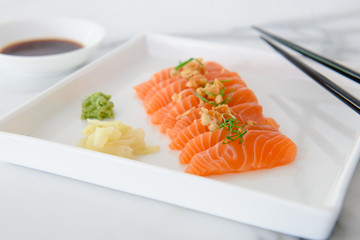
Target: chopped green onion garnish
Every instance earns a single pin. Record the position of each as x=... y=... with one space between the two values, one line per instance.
x=222 y=91
x=199 y=62
x=226 y=100
x=232 y=124
x=227 y=80
x=181 y=64
x=204 y=99
x=211 y=94
x=233 y=90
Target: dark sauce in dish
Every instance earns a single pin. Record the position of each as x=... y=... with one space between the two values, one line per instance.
x=41 y=47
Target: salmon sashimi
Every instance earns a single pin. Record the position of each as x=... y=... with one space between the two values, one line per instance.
x=163 y=97
x=212 y=116
x=212 y=66
x=200 y=143
x=259 y=149
x=243 y=112
x=177 y=110
x=158 y=116
x=185 y=121
x=227 y=78
x=241 y=95
x=271 y=122
x=208 y=139
x=252 y=111
x=156 y=87
x=157 y=77
x=188 y=133
x=163 y=75
x=212 y=69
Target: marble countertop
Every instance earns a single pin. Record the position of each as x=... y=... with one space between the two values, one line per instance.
x=38 y=205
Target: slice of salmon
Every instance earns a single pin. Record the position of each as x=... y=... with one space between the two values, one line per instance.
x=248 y=111
x=185 y=121
x=259 y=149
x=200 y=143
x=209 y=139
x=143 y=88
x=162 y=76
x=158 y=116
x=180 y=108
x=213 y=70
x=227 y=78
x=244 y=112
x=163 y=96
x=241 y=95
x=158 y=86
x=271 y=122
x=212 y=66
x=188 y=133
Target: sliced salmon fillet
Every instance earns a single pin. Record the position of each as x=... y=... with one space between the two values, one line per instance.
x=143 y=88
x=259 y=149
x=271 y=122
x=244 y=112
x=227 y=78
x=263 y=146
x=163 y=97
x=241 y=95
x=252 y=111
x=185 y=121
x=158 y=116
x=212 y=66
x=200 y=143
x=213 y=69
x=158 y=86
x=177 y=110
x=188 y=133
x=208 y=139
x=248 y=110
x=163 y=76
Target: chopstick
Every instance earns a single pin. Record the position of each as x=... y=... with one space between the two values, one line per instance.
x=333 y=88
x=320 y=59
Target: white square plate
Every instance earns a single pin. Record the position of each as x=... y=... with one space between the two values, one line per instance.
x=302 y=199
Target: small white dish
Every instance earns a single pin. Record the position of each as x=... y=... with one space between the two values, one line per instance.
x=88 y=34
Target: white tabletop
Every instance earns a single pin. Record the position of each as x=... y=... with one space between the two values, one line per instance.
x=38 y=205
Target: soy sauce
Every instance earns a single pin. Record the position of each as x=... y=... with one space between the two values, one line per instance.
x=41 y=47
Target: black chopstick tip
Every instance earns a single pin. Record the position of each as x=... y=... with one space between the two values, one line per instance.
x=260 y=30
x=256 y=28
x=269 y=42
